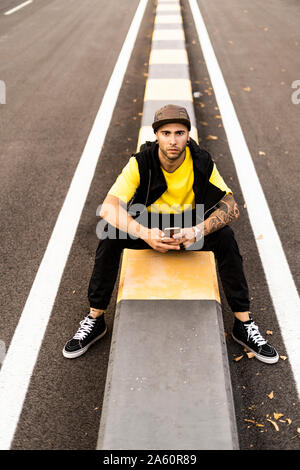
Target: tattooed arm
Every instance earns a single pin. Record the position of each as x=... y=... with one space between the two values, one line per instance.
x=227 y=212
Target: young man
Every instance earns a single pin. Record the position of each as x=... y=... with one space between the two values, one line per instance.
x=170 y=179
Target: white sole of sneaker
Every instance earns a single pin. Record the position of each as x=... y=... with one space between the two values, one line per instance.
x=266 y=360
x=80 y=352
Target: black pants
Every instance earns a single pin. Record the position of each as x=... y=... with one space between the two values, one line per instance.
x=221 y=242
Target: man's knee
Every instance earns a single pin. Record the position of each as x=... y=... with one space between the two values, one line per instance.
x=116 y=245
x=225 y=236
x=224 y=243
x=108 y=246
x=227 y=233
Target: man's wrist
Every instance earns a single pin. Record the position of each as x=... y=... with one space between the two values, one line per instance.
x=144 y=232
x=198 y=231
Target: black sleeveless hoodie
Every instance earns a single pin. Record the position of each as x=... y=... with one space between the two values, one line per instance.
x=153 y=183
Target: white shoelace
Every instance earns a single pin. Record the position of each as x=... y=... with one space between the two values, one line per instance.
x=86 y=326
x=254 y=334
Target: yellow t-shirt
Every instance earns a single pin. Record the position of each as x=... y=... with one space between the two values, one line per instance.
x=178 y=197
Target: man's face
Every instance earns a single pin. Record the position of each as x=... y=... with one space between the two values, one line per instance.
x=172 y=139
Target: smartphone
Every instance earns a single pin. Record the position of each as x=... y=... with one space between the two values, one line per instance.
x=170 y=231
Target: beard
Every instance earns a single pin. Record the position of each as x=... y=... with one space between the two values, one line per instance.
x=173 y=153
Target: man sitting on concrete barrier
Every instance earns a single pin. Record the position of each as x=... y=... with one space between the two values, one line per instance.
x=160 y=182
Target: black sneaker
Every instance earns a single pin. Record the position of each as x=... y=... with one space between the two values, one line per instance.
x=90 y=330
x=248 y=335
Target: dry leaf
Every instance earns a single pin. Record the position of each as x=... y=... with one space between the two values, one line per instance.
x=269 y=332
x=271 y=395
x=274 y=424
x=277 y=415
x=260 y=425
x=247 y=88
x=250 y=355
x=249 y=421
x=236 y=359
x=283 y=357
x=204 y=123
x=212 y=137
x=260 y=237
x=261 y=153
x=218 y=116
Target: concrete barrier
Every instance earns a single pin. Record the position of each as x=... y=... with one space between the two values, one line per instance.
x=168 y=384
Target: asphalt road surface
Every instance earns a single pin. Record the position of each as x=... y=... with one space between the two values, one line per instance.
x=56 y=59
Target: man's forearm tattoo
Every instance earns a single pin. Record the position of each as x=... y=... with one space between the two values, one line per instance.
x=226 y=213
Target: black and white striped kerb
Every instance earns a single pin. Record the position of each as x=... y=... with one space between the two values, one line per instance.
x=168 y=75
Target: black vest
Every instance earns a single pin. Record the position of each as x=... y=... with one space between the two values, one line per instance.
x=153 y=183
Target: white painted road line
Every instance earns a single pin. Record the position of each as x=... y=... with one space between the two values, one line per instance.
x=23 y=351
x=281 y=285
x=22 y=5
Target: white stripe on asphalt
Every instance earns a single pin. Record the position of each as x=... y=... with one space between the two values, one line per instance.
x=22 y=5
x=280 y=281
x=22 y=354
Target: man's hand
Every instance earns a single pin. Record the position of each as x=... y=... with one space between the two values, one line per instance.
x=186 y=237
x=158 y=242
